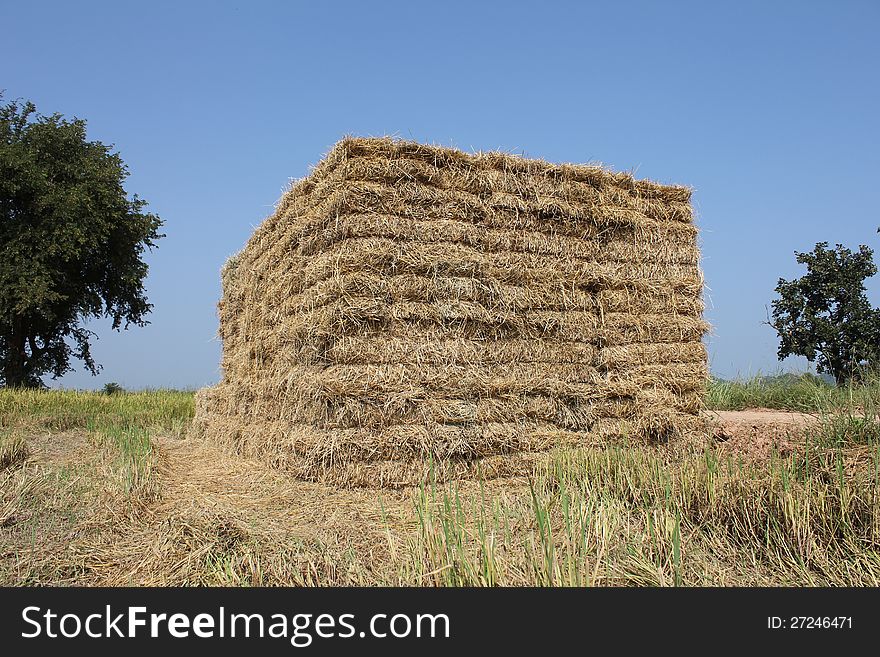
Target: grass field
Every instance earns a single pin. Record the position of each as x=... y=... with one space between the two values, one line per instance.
x=107 y=489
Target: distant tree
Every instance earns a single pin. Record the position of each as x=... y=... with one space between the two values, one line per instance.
x=825 y=315
x=71 y=242
x=112 y=388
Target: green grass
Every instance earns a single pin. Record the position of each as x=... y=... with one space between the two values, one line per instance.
x=805 y=393
x=101 y=470
x=61 y=410
x=135 y=458
x=120 y=423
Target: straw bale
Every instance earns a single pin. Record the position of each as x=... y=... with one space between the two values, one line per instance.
x=357 y=411
x=441 y=350
x=491 y=183
x=418 y=203
x=624 y=244
x=450 y=259
x=410 y=310
x=488 y=293
x=365 y=316
x=314 y=394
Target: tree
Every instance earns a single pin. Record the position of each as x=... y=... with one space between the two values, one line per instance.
x=825 y=315
x=71 y=244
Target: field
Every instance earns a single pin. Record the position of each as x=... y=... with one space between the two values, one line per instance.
x=102 y=489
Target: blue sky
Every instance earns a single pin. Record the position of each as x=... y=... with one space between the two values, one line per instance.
x=768 y=110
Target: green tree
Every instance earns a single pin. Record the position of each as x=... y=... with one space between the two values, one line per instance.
x=825 y=315
x=71 y=244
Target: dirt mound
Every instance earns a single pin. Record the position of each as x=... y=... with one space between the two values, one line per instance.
x=757 y=432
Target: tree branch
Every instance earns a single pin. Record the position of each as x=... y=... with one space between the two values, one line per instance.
x=36 y=351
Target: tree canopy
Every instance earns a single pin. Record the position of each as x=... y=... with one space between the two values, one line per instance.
x=71 y=244
x=826 y=316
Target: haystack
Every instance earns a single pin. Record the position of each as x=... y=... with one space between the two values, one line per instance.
x=412 y=311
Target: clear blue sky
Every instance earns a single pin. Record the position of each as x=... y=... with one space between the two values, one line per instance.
x=769 y=110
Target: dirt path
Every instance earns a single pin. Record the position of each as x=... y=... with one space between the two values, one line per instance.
x=216 y=513
x=763 y=417
x=198 y=475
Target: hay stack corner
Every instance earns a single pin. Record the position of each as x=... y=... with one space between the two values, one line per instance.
x=412 y=311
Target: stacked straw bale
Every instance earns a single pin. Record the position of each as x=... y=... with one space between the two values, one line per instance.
x=411 y=310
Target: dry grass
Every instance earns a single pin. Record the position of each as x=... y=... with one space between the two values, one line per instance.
x=13 y=450
x=118 y=504
x=78 y=463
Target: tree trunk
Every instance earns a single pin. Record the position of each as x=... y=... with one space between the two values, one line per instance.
x=840 y=372
x=13 y=368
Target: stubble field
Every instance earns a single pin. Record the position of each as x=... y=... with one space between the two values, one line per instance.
x=102 y=489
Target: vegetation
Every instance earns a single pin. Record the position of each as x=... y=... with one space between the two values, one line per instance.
x=112 y=388
x=636 y=517
x=63 y=410
x=71 y=244
x=101 y=489
x=804 y=393
x=825 y=315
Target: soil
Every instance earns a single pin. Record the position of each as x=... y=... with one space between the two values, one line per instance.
x=759 y=431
